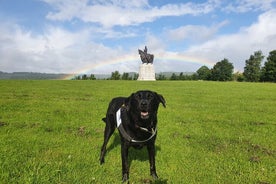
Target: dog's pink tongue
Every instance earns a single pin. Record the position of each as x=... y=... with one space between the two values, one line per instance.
x=144 y=113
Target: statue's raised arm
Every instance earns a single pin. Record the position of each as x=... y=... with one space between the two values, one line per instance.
x=145 y=57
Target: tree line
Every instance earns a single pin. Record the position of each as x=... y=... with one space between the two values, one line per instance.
x=125 y=76
x=221 y=71
x=114 y=76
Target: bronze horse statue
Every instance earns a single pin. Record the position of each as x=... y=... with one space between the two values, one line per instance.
x=145 y=57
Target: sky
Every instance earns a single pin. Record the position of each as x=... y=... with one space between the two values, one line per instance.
x=102 y=36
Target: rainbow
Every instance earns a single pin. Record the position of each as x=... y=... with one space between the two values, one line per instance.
x=134 y=58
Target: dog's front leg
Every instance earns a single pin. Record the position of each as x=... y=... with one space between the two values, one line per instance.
x=125 y=167
x=151 y=152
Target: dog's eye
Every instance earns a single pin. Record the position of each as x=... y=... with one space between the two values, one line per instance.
x=138 y=96
x=149 y=96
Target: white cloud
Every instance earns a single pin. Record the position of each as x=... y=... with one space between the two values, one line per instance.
x=154 y=43
x=242 y=6
x=195 y=33
x=66 y=9
x=239 y=46
x=14 y=38
x=122 y=12
x=59 y=50
x=56 y=50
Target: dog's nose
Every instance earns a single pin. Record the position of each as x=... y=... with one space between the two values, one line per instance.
x=144 y=103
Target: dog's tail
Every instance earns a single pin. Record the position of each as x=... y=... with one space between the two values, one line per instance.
x=104 y=120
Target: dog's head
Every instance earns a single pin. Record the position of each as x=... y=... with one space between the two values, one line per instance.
x=145 y=103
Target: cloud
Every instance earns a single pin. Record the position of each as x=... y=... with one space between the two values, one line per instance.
x=239 y=46
x=56 y=50
x=123 y=12
x=154 y=43
x=59 y=49
x=242 y=6
x=194 y=33
x=65 y=9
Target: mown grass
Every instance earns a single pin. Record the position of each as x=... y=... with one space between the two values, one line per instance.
x=210 y=132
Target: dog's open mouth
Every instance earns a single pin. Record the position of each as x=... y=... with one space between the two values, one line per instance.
x=144 y=115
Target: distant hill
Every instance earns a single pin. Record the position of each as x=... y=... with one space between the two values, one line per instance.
x=52 y=76
x=42 y=76
x=31 y=75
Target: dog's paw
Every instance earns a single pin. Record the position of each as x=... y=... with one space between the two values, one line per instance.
x=125 y=178
x=101 y=161
x=154 y=175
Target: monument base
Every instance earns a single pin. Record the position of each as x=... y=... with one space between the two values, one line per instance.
x=146 y=72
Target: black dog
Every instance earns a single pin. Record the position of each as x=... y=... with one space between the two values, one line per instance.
x=136 y=119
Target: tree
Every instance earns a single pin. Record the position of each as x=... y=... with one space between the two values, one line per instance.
x=203 y=73
x=252 y=69
x=115 y=75
x=269 y=69
x=184 y=77
x=92 y=77
x=78 y=77
x=222 y=71
x=161 y=77
x=174 y=77
x=125 y=76
x=135 y=76
x=238 y=77
x=84 y=77
x=181 y=76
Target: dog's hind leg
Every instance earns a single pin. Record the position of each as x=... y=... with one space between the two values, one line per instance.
x=109 y=129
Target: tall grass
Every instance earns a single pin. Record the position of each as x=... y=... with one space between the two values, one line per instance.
x=210 y=132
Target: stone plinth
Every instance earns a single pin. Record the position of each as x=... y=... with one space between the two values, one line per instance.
x=146 y=72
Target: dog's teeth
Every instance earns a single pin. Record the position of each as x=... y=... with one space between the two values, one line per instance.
x=144 y=113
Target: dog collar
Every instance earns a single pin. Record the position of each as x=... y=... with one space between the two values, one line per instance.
x=124 y=133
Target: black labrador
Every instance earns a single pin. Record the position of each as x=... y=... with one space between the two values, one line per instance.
x=136 y=119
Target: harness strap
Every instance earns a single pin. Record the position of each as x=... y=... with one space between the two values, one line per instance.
x=124 y=133
x=153 y=134
x=146 y=130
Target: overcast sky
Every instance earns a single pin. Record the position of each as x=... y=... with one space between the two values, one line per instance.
x=101 y=36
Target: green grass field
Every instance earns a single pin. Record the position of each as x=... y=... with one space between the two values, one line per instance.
x=210 y=132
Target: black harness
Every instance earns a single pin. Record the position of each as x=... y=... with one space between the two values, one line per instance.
x=121 y=115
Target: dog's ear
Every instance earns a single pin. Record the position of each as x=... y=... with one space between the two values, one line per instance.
x=161 y=99
x=128 y=100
